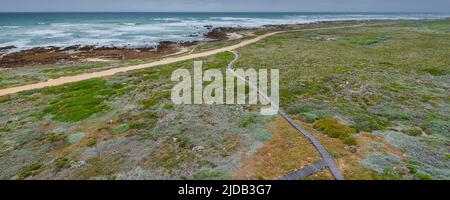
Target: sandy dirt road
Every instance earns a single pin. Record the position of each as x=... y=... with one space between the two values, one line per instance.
x=165 y=61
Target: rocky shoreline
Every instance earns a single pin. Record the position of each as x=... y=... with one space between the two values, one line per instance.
x=55 y=55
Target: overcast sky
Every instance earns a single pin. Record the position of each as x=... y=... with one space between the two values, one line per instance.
x=226 y=5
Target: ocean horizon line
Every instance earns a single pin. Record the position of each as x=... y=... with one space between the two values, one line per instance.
x=233 y=12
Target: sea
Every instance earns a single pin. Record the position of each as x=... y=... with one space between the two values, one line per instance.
x=28 y=30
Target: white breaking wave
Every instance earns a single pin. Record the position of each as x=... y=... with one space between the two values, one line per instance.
x=151 y=30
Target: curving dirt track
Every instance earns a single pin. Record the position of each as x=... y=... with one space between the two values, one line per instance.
x=170 y=60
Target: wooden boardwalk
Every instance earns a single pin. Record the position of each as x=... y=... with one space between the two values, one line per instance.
x=326 y=161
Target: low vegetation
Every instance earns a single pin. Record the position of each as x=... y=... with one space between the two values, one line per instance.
x=335 y=129
x=75 y=138
x=381 y=90
x=380 y=78
x=78 y=101
x=31 y=171
x=211 y=175
x=120 y=129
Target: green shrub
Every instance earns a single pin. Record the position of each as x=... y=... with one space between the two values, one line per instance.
x=247 y=121
x=75 y=138
x=413 y=165
x=155 y=99
x=153 y=115
x=5 y=99
x=63 y=163
x=334 y=129
x=92 y=142
x=434 y=71
x=31 y=171
x=310 y=118
x=172 y=158
x=286 y=96
x=137 y=125
x=423 y=176
x=5 y=129
x=389 y=174
x=369 y=123
x=185 y=142
x=368 y=40
x=168 y=106
x=261 y=135
x=211 y=175
x=348 y=140
x=335 y=154
x=414 y=131
x=120 y=129
x=55 y=138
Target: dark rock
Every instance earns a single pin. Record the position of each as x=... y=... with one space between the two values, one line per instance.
x=188 y=43
x=73 y=48
x=164 y=45
x=7 y=48
x=55 y=55
x=209 y=27
x=217 y=34
x=87 y=48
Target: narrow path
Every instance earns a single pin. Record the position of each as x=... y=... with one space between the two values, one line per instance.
x=305 y=172
x=165 y=61
x=325 y=155
x=326 y=158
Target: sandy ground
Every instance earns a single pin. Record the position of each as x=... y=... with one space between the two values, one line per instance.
x=165 y=61
x=234 y=36
x=97 y=60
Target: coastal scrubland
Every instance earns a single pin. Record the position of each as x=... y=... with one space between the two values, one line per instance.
x=388 y=81
x=377 y=97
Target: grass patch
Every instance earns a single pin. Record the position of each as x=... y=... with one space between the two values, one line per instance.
x=120 y=129
x=153 y=115
x=78 y=101
x=4 y=99
x=63 y=163
x=171 y=156
x=5 y=129
x=369 y=123
x=211 y=175
x=92 y=142
x=75 y=138
x=101 y=166
x=423 y=176
x=52 y=138
x=247 y=120
x=334 y=129
x=389 y=174
x=155 y=99
x=138 y=125
x=368 y=40
x=416 y=131
x=168 y=106
x=308 y=117
x=261 y=135
x=33 y=170
x=284 y=153
x=434 y=71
